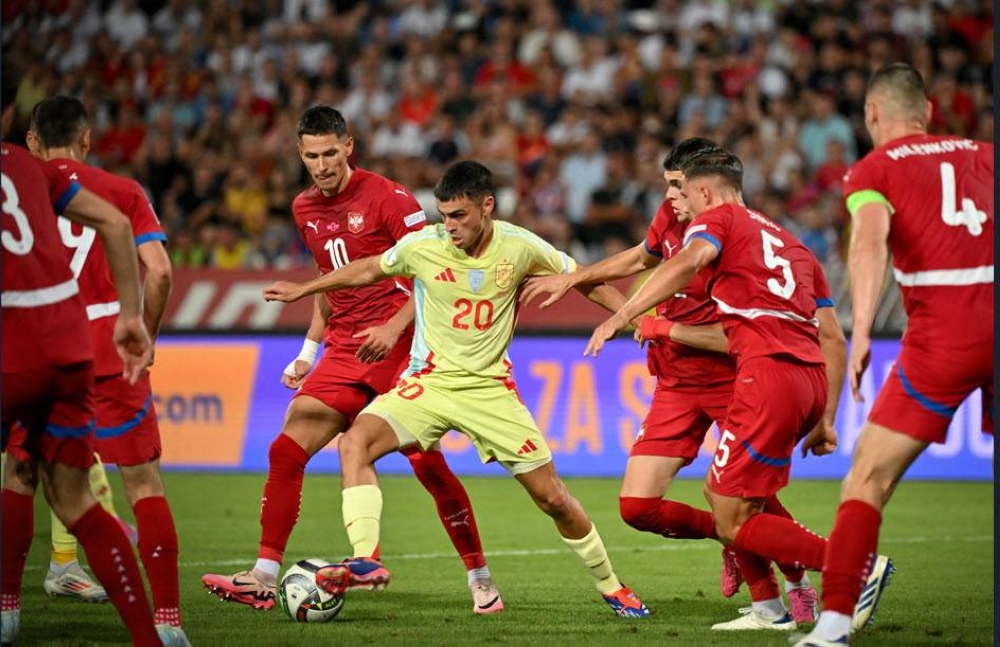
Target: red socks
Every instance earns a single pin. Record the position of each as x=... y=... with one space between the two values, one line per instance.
x=18 y=522
x=453 y=504
x=110 y=557
x=782 y=540
x=158 y=552
x=774 y=506
x=853 y=544
x=282 y=498
x=668 y=518
x=758 y=575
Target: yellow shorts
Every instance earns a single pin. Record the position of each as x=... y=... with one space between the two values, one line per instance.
x=490 y=413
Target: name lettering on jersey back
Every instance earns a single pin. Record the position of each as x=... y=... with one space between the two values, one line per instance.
x=931 y=148
x=762 y=219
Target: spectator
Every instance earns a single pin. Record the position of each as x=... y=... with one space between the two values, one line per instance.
x=823 y=125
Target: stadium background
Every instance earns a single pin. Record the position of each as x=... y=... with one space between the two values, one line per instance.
x=572 y=104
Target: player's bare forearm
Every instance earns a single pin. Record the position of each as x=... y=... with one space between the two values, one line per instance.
x=706 y=337
x=833 y=345
x=604 y=295
x=619 y=266
x=91 y=210
x=669 y=278
x=156 y=285
x=364 y=271
x=403 y=317
x=319 y=316
x=868 y=258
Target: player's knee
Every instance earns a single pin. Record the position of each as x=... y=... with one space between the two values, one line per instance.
x=640 y=513
x=555 y=501
x=141 y=482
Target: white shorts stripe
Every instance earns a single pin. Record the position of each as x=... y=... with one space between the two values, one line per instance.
x=753 y=313
x=39 y=297
x=963 y=276
x=99 y=310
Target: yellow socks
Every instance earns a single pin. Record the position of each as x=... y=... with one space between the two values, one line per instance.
x=99 y=485
x=362 y=508
x=591 y=550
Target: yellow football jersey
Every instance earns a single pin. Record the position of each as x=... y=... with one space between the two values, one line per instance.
x=466 y=307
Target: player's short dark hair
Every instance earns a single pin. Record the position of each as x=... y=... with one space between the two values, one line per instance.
x=718 y=163
x=680 y=154
x=59 y=121
x=904 y=84
x=322 y=119
x=465 y=179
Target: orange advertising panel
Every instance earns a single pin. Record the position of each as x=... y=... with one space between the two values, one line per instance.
x=202 y=394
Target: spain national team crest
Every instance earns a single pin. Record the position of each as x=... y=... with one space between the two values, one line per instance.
x=505 y=275
x=476 y=279
x=355 y=221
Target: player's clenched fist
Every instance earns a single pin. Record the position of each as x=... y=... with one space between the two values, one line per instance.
x=286 y=291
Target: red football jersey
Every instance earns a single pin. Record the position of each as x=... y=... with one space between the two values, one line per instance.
x=87 y=257
x=672 y=363
x=43 y=319
x=764 y=282
x=365 y=219
x=940 y=192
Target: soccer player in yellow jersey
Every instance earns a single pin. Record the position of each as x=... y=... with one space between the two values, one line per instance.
x=466 y=274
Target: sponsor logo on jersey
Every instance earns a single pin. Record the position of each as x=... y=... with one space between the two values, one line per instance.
x=476 y=279
x=668 y=247
x=313 y=225
x=355 y=221
x=447 y=276
x=504 y=275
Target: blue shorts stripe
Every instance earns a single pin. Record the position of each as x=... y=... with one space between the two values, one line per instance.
x=60 y=431
x=925 y=402
x=767 y=460
x=110 y=432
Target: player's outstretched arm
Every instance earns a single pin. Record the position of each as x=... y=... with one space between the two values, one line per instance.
x=131 y=337
x=706 y=337
x=363 y=271
x=823 y=439
x=868 y=259
x=621 y=265
x=667 y=279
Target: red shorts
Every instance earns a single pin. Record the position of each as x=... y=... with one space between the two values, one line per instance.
x=921 y=394
x=678 y=420
x=127 y=433
x=346 y=385
x=774 y=404
x=55 y=409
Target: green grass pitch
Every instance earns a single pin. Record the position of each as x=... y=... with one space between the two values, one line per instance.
x=939 y=534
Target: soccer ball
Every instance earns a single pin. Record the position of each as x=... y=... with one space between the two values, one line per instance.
x=302 y=600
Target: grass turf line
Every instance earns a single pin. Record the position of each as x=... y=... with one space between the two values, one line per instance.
x=939 y=534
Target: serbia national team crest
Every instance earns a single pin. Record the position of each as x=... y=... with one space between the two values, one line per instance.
x=355 y=221
x=476 y=279
x=505 y=275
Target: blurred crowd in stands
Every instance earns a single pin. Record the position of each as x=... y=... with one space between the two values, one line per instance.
x=572 y=103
